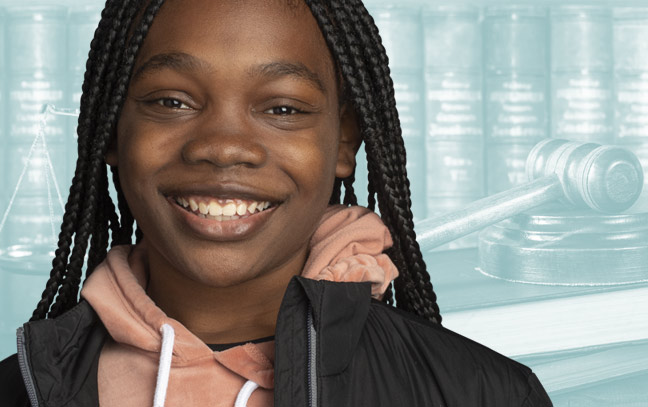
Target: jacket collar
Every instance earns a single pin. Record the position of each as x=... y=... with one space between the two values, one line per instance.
x=339 y=313
x=63 y=353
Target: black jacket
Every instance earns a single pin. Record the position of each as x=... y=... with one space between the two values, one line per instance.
x=334 y=346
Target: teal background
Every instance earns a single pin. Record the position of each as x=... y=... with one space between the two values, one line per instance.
x=477 y=86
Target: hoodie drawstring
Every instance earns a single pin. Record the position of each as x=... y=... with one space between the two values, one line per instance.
x=164 y=369
x=245 y=393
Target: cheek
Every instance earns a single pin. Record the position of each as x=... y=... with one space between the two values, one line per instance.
x=311 y=163
x=139 y=157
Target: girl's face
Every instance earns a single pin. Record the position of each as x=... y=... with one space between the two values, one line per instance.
x=232 y=104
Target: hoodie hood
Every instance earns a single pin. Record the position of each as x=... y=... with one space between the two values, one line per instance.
x=348 y=245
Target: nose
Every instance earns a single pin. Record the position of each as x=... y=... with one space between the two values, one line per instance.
x=224 y=141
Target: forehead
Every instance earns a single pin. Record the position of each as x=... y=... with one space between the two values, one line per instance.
x=245 y=32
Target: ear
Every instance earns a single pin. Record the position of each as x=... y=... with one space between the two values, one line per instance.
x=350 y=140
x=111 y=154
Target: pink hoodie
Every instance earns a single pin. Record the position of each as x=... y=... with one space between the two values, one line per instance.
x=347 y=246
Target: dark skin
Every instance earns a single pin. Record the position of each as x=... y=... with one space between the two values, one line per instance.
x=231 y=100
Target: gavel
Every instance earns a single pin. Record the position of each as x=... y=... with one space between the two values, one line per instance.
x=607 y=179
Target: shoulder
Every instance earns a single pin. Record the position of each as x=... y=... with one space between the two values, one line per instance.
x=62 y=354
x=403 y=359
x=12 y=388
x=467 y=372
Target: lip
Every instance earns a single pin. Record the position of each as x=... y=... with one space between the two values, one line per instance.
x=222 y=190
x=221 y=231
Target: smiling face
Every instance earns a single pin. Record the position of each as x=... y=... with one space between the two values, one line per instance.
x=230 y=139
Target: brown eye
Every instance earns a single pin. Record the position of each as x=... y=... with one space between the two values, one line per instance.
x=171 y=103
x=283 y=110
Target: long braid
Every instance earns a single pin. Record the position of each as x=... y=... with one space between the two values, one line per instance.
x=88 y=116
x=384 y=160
x=109 y=115
x=90 y=212
x=341 y=46
x=422 y=283
x=357 y=86
x=119 y=96
x=423 y=287
x=417 y=293
x=94 y=69
x=68 y=290
x=99 y=235
x=349 y=193
x=107 y=222
x=371 y=197
x=354 y=40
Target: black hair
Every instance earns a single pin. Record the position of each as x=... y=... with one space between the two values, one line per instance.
x=90 y=214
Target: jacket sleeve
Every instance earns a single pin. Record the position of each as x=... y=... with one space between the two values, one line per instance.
x=12 y=387
x=537 y=396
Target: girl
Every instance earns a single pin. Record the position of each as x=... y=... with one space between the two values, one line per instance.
x=231 y=129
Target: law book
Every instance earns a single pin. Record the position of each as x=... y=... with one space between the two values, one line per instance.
x=518 y=319
x=599 y=369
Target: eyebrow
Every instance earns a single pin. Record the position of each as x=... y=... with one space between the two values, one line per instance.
x=291 y=69
x=178 y=61
x=181 y=61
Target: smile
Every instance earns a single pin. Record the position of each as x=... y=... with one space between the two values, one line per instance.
x=222 y=209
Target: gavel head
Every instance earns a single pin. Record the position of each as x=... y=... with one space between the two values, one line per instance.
x=605 y=178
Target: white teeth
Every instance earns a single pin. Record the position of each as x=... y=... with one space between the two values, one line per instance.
x=241 y=209
x=203 y=208
x=215 y=209
x=224 y=218
x=229 y=209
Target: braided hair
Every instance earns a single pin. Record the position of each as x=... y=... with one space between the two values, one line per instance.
x=91 y=216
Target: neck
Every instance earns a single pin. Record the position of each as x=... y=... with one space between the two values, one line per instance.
x=218 y=315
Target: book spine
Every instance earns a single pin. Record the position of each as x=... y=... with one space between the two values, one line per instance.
x=515 y=91
x=581 y=74
x=631 y=86
x=454 y=141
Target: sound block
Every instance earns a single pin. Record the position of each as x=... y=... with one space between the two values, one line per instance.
x=567 y=247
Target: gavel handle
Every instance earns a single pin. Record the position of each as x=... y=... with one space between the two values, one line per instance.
x=477 y=215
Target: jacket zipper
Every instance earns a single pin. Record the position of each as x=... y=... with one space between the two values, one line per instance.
x=312 y=359
x=24 y=368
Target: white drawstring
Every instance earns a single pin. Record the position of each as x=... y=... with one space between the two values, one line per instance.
x=164 y=369
x=245 y=393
